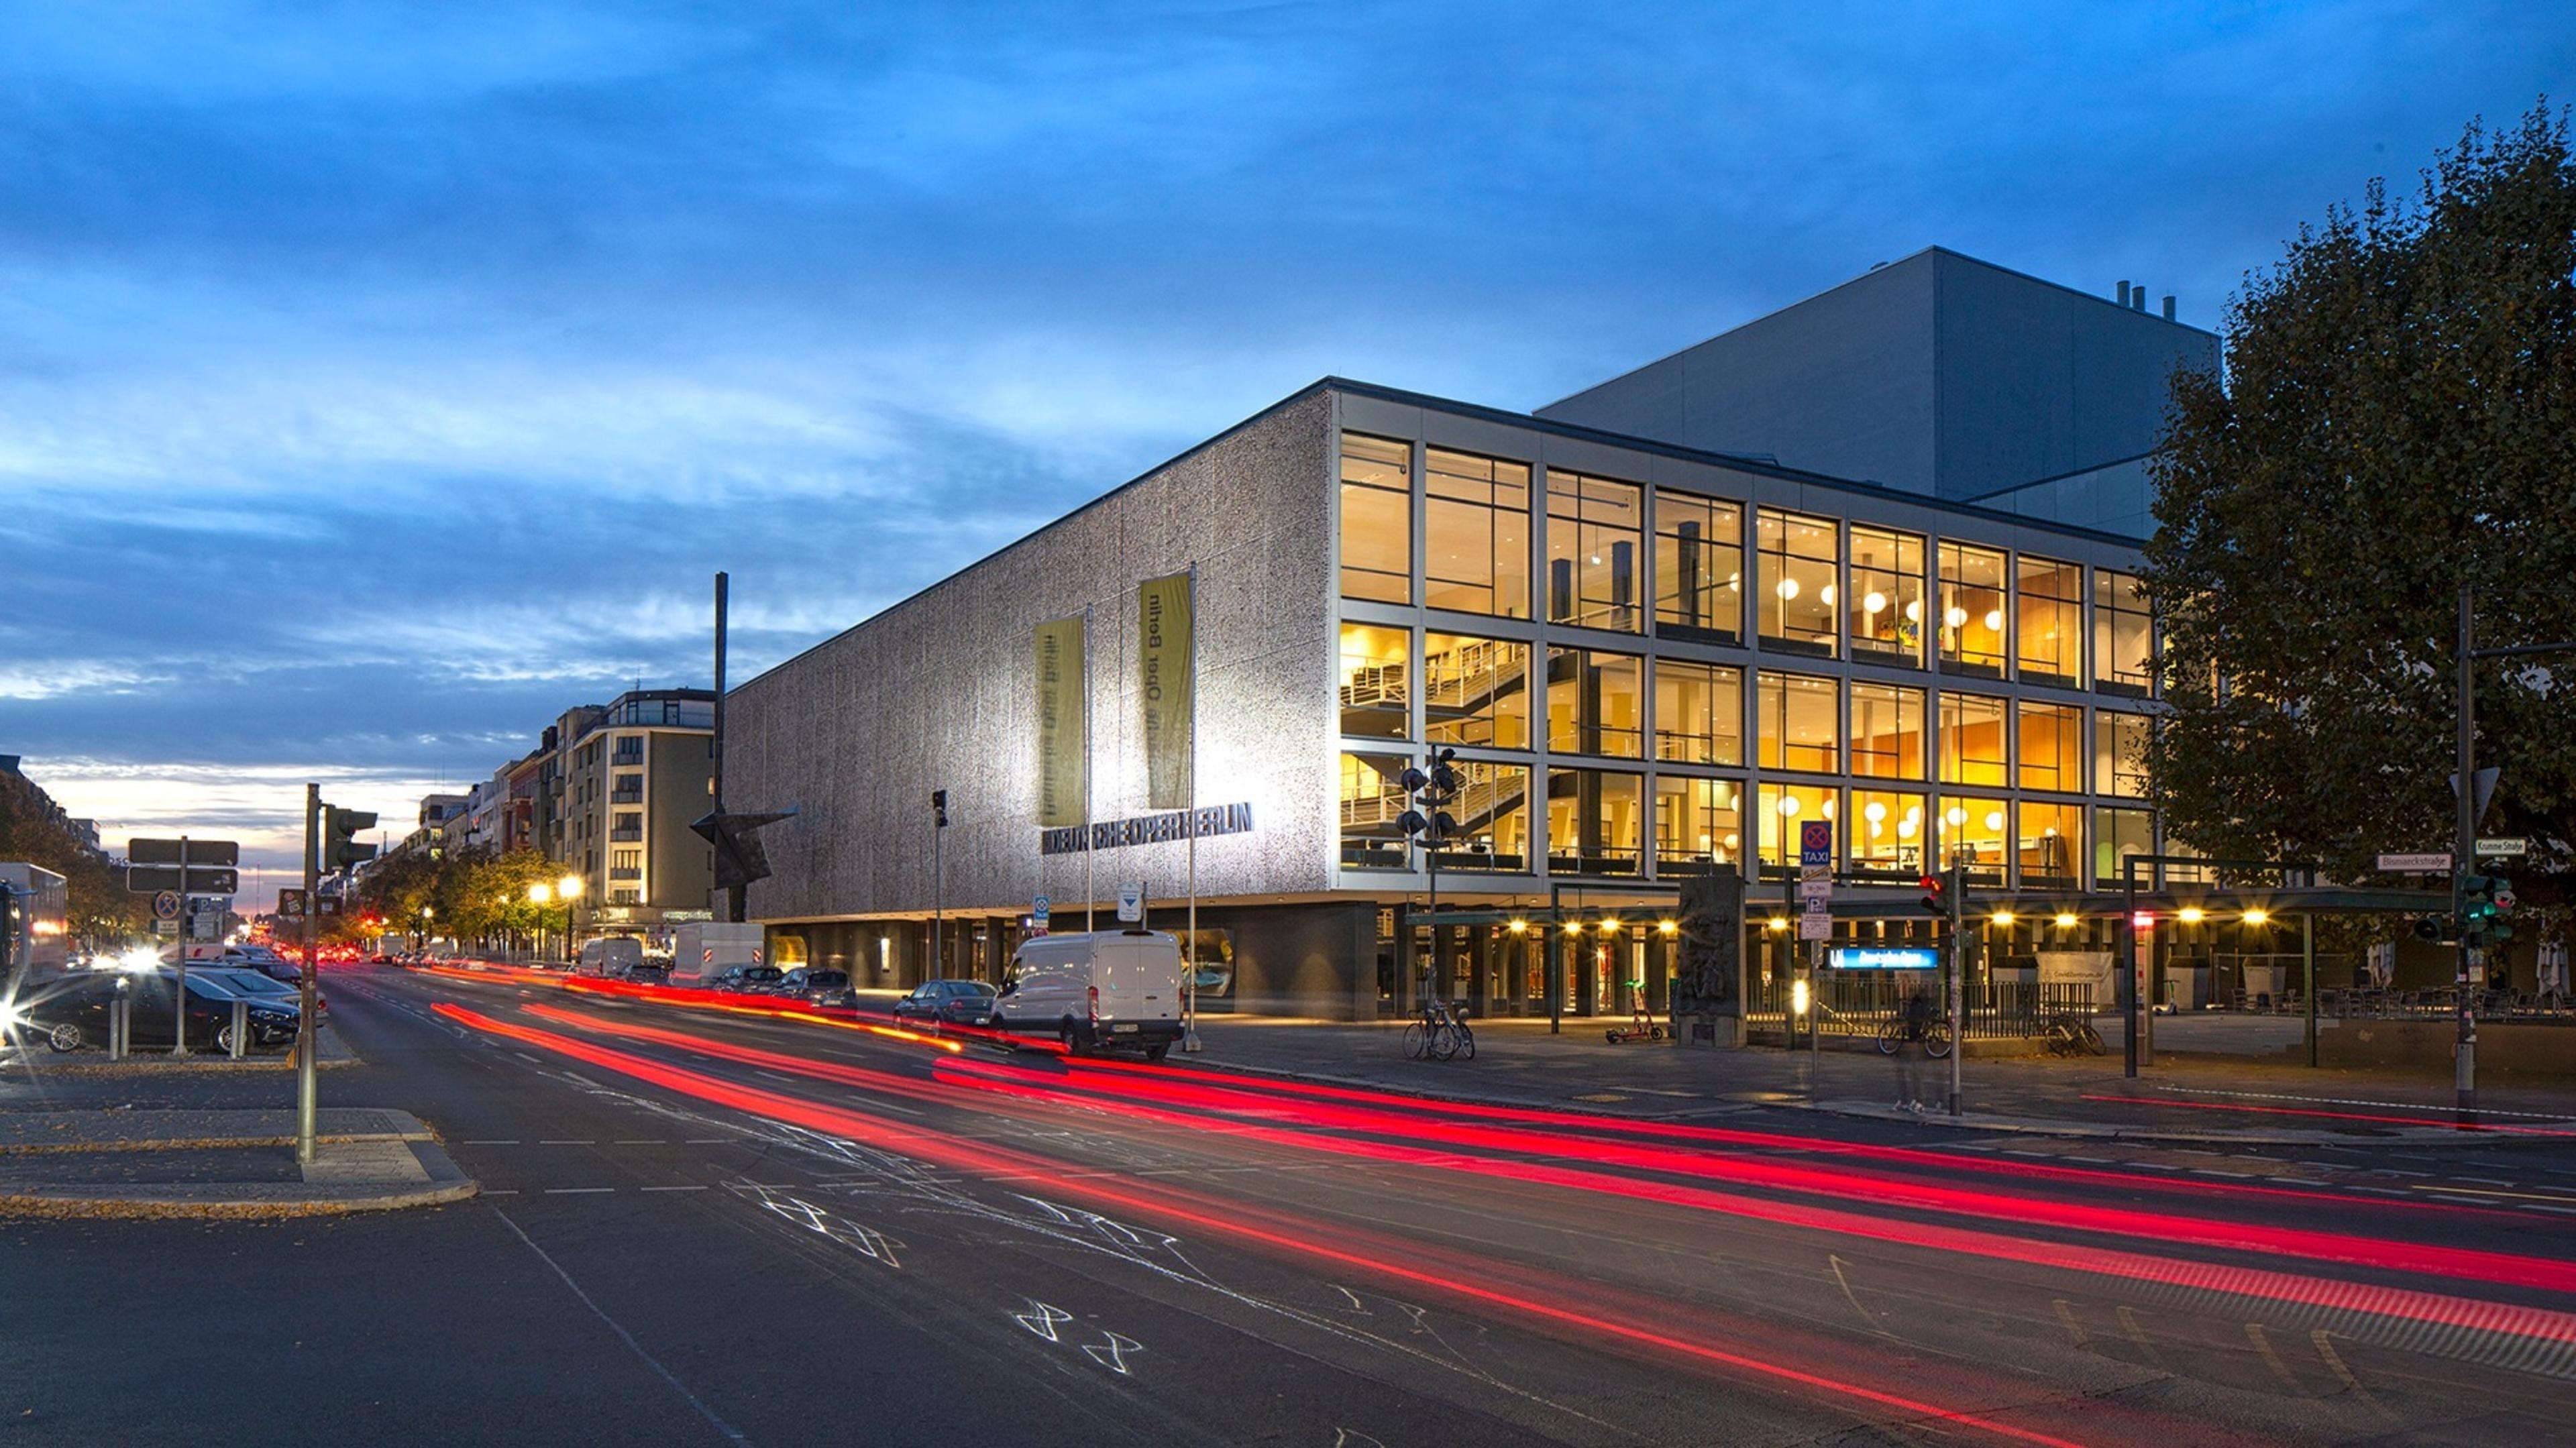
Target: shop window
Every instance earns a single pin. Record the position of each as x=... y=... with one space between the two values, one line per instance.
x=1974 y=749
x=1976 y=833
x=2123 y=635
x=1377 y=519
x=1593 y=526
x=2117 y=835
x=1493 y=814
x=2049 y=842
x=1699 y=824
x=1699 y=567
x=2052 y=748
x=1886 y=731
x=1889 y=833
x=1972 y=610
x=1782 y=808
x=1373 y=799
x=1594 y=703
x=1799 y=722
x=1376 y=671
x=1699 y=712
x=1475 y=526
x=1594 y=822
x=1801 y=561
x=1885 y=616
x=2049 y=598
x=2119 y=753
x=1476 y=691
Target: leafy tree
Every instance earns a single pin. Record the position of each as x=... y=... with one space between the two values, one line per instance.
x=2397 y=418
x=99 y=909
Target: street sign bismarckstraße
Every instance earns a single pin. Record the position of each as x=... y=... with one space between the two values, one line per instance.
x=2416 y=864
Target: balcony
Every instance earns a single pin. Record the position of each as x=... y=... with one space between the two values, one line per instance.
x=626 y=796
x=627 y=836
x=625 y=872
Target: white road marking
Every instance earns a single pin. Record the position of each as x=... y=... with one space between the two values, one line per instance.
x=674 y=1189
x=490 y=1141
x=576 y=1191
x=568 y=1143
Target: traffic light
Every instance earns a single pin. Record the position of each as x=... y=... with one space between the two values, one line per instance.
x=340 y=847
x=2432 y=928
x=939 y=808
x=2484 y=902
x=1935 y=896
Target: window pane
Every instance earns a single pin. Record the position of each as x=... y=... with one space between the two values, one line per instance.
x=1886 y=612
x=1976 y=833
x=2119 y=753
x=1376 y=670
x=2050 y=842
x=1973 y=747
x=1373 y=798
x=1594 y=824
x=1377 y=519
x=1594 y=703
x=1889 y=832
x=2050 y=600
x=1699 y=566
x=1475 y=691
x=1887 y=731
x=1786 y=806
x=1593 y=526
x=1799 y=721
x=1699 y=824
x=1476 y=534
x=1699 y=712
x=2118 y=834
x=1493 y=815
x=2052 y=749
x=1972 y=610
x=2123 y=635
x=1801 y=561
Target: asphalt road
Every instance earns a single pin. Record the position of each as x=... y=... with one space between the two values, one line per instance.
x=700 y=1227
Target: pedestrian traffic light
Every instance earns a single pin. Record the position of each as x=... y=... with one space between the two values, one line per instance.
x=2484 y=900
x=340 y=847
x=1935 y=893
x=939 y=808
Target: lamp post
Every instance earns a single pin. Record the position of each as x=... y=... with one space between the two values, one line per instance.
x=568 y=889
x=538 y=894
x=422 y=943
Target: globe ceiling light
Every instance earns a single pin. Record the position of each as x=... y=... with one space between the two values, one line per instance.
x=1788 y=806
x=1994 y=620
x=1786 y=588
x=1826 y=597
x=1956 y=815
x=1956 y=617
x=1995 y=820
x=1873 y=811
x=1914 y=610
x=1873 y=602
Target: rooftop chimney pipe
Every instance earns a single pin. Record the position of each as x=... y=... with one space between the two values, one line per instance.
x=2169 y=307
x=2124 y=294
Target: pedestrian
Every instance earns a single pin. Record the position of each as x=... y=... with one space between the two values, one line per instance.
x=1912 y=1048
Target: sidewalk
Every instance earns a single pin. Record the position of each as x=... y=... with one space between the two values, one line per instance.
x=2186 y=1099
x=216 y=1163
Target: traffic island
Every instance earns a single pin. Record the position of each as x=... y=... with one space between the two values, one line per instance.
x=219 y=1164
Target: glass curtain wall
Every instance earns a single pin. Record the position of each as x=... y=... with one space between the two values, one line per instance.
x=2049 y=842
x=1782 y=808
x=1476 y=691
x=1977 y=833
x=1595 y=822
x=1972 y=610
x=1699 y=712
x=2052 y=748
x=1376 y=689
x=1699 y=567
x=1799 y=722
x=1886 y=614
x=2118 y=834
x=1699 y=824
x=1593 y=526
x=1974 y=749
x=1801 y=562
x=1886 y=731
x=1595 y=703
x=2050 y=602
x=1889 y=833
x=2123 y=635
x=1475 y=534
x=1373 y=798
x=1377 y=519
x=1493 y=814
x=2119 y=753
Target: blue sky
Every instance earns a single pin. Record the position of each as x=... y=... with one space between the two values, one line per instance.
x=377 y=380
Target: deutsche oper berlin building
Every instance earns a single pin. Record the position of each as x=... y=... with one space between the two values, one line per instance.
x=1658 y=640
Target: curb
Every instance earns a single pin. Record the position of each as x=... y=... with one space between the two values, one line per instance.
x=88 y=1203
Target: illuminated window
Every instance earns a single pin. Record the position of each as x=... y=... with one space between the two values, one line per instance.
x=1972 y=610
x=2119 y=753
x=1885 y=612
x=1976 y=833
x=1889 y=832
x=1476 y=691
x=1886 y=731
x=1699 y=712
x=1595 y=822
x=2052 y=747
x=1475 y=526
x=2049 y=842
x=1593 y=526
x=2123 y=635
x=1373 y=799
x=1782 y=808
x=1377 y=519
x=1973 y=747
x=1699 y=567
x=1801 y=560
x=1493 y=814
x=1699 y=824
x=1799 y=719
x=1594 y=703
x=2050 y=600
x=1376 y=670
x=2118 y=834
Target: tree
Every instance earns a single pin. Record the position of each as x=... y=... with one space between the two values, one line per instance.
x=2397 y=417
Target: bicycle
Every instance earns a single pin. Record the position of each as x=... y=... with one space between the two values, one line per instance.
x=1935 y=1037
x=2067 y=1034
x=1440 y=1035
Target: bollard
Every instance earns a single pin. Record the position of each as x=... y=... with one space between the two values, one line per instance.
x=241 y=1029
x=117 y=1027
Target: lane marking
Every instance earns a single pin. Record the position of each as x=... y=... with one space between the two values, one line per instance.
x=490 y=1141
x=2324 y=1341
x=674 y=1189
x=524 y=1056
x=2354 y=1101
x=568 y=1142
x=2066 y=1314
x=639 y=1141
x=2263 y=1344
x=2138 y=1335
x=576 y=1191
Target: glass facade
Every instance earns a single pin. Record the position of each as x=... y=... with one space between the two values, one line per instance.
x=1593 y=527
x=1801 y=560
x=1699 y=712
x=1885 y=617
x=1377 y=681
x=1799 y=722
x=1595 y=822
x=1886 y=731
x=2118 y=834
x=1373 y=798
x=2049 y=842
x=1377 y=519
x=2123 y=635
x=1475 y=691
x=1699 y=567
x=1889 y=832
x=1475 y=534
x=1977 y=833
x=1974 y=747
x=1699 y=824
x=1785 y=806
x=1973 y=623
x=1595 y=703
x=2052 y=748
x=1493 y=814
x=2050 y=628
x=2119 y=753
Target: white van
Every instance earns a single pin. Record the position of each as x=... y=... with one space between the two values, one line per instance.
x=613 y=956
x=1107 y=990
x=701 y=952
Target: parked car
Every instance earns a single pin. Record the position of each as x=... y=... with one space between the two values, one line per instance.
x=262 y=987
x=610 y=956
x=820 y=986
x=255 y=957
x=948 y=1003
x=1096 y=991
x=749 y=979
x=72 y=1013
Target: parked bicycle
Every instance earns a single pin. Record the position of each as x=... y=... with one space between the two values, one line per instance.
x=1934 y=1034
x=1441 y=1034
x=2068 y=1034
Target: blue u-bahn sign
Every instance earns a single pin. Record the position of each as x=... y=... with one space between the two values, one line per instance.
x=1886 y=957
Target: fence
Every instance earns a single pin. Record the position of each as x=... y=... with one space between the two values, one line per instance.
x=1865 y=1003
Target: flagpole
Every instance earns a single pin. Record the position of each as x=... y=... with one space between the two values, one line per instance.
x=1087 y=892
x=1190 y=955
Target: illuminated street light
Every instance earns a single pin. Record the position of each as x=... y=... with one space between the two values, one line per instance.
x=2188 y=915
x=1520 y=927
x=2257 y=916
x=2003 y=917
x=1668 y=927
x=2065 y=920
x=1779 y=922
x=540 y=892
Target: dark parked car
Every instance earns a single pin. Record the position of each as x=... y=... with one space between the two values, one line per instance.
x=947 y=1002
x=749 y=979
x=820 y=986
x=243 y=981
x=71 y=1013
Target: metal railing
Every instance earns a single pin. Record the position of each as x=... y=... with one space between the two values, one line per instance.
x=1866 y=1004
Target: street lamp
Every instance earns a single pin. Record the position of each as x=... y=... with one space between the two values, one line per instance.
x=568 y=889
x=539 y=892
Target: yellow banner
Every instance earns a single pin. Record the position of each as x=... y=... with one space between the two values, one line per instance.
x=1061 y=753
x=1163 y=647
